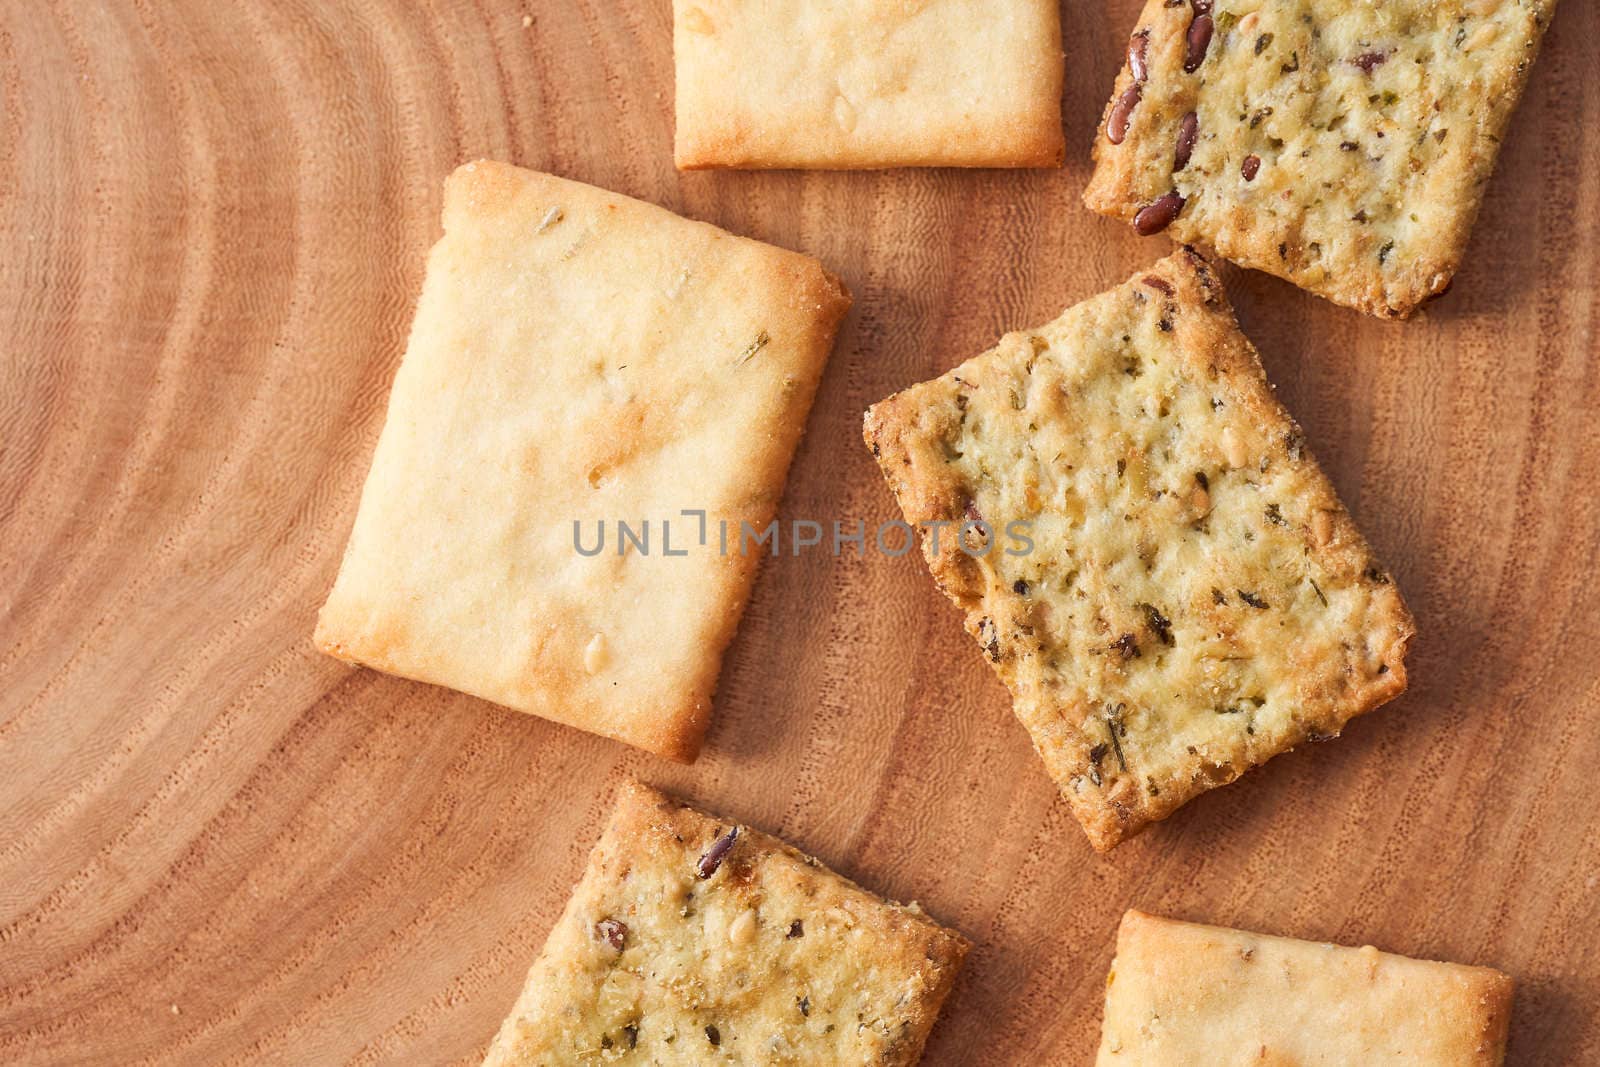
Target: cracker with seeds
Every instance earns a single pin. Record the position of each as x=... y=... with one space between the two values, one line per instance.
x=580 y=360
x=691 y=940
x=1143 y=547
x=851 y=84
x=1206 y=996
x=1342 y=146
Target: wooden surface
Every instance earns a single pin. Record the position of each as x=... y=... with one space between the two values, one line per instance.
x=217 y=846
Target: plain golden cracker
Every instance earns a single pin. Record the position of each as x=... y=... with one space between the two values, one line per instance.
x=1205 y=996
x=579 y=357
x=851 y=84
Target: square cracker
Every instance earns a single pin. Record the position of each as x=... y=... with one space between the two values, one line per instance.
x=692 y=940
x=1206 y=996
x=852 y=84
x=579 y=357
x=1370 y=130
x=1187 y=597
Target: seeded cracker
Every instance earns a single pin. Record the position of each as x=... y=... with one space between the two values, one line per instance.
x=1205 y=996
x=578 y=356
x=851 y=84
x=693 y=941
x=1344 y=146
x=1196 y=600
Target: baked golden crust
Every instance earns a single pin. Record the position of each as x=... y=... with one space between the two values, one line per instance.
x=852 y=84
x=1196 y=599
x=1206 y=996
x=579 y=357
x=675 y=949
x=1342 y=146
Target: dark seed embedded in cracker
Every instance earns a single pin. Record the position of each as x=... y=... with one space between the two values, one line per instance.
x=1158 y=215
x=613 y=932
x=1188 y=129
x=1122 y=114
x=1197 y=43
x=1138 y=47
x=707 y=865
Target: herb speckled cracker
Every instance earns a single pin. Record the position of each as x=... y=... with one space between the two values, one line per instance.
x=1196 y=600
x=1205 y=996
x=867 y=83
x=694 y=941
x=579 y=356
x=1341 y=144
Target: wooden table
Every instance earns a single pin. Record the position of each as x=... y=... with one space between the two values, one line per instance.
x=218 y=846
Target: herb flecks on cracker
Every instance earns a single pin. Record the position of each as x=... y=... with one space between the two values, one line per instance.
x=1197 y=599
x=1312 y=139
x=689 y=941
